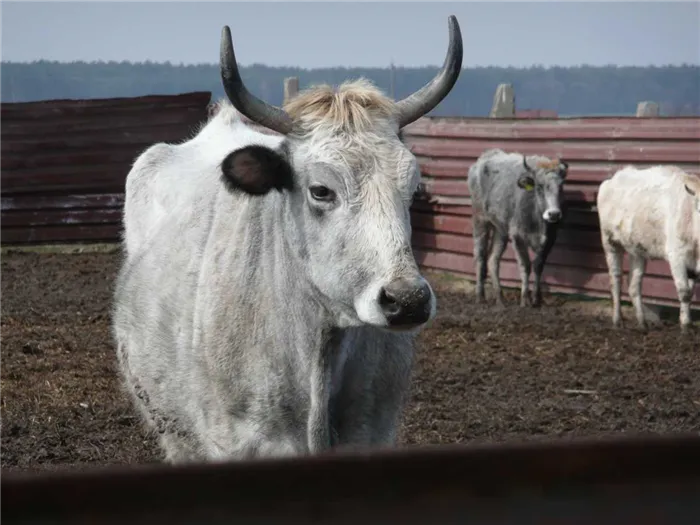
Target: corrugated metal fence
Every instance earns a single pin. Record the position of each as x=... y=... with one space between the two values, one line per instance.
x=64 y=162
x=64 y=165
x=594 y=147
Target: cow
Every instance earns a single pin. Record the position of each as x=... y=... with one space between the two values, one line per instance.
x=269 y=299
x=518 y=198
x=651 y=213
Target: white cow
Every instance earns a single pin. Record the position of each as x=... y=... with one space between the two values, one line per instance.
x=652 y=213
x=269 y=300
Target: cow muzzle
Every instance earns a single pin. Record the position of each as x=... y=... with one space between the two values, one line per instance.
x=552 y=215
x=407 y=303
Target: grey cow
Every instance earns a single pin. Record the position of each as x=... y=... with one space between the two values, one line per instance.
x=269 y=298
x=519 y=198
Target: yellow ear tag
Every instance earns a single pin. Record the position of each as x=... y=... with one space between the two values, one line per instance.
x=529 y=187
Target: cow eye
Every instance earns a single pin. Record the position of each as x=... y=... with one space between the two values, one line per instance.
x=322 y=193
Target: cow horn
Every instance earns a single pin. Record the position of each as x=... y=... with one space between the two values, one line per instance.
x=243 y=100
x=425 y=99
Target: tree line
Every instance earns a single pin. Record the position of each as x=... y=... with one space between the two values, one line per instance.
x=581 y=90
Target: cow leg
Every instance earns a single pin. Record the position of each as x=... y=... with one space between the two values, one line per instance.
x=685 y=305
x=177 y=450
x=684 y=287
x=541 y=260
x=686 y=309
x=637 y=268
x=613 y=257
x=481 y=231
x=538 y=267
x=523 y=257
x=499 y=243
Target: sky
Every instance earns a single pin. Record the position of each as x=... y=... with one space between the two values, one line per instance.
x=361 y=34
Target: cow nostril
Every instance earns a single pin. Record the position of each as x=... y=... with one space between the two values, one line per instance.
x=388 y=302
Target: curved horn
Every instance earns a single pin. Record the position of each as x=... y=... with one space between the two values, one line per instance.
x=243 y=100
x=425 y=99
x=525 y=164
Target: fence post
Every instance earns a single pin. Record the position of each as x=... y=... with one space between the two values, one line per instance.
x=291 y=88
x=647 y=109
x=503 y=102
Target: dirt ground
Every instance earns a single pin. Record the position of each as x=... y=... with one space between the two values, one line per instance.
x=482 y=374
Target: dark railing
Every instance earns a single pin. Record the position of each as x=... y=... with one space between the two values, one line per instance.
x=622 y=481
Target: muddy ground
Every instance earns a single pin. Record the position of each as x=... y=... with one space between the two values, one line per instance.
x=482 y=374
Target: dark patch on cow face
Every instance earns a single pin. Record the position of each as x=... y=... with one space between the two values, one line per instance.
x=692 y=274
x=256 y=170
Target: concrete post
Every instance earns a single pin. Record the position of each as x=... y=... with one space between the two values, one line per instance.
x=291 y=88
x=503 y=102
x=647 y=109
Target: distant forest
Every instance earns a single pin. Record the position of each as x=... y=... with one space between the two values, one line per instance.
x=583 y=90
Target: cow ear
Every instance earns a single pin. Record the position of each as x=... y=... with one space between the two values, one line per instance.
x=563 y=169
x=526 y=182
x=256 y=170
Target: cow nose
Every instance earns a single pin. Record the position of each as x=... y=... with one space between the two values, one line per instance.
x=406 y=302
x=552 y=215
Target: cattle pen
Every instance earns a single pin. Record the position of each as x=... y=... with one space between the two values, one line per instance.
x=65 y=161
x=483 y=376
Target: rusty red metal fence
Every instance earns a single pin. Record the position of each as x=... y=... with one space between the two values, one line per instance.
x=620 y=481
x=64 y=162
x=594 y=147
x=535 y=113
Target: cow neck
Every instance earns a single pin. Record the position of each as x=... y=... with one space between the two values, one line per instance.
x=310 y=320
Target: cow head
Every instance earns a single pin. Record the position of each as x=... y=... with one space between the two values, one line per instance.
x=692 y=186
x=346 y=181
x=545 y=179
